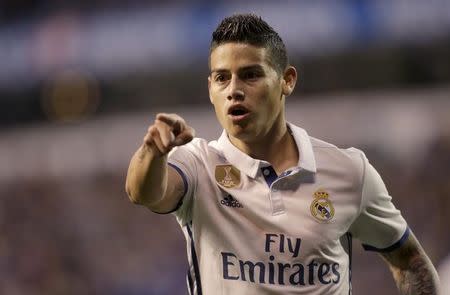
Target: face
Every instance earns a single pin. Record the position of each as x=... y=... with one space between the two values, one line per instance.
x=246 y=91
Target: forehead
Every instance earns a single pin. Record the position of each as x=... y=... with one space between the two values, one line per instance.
x=230 y=56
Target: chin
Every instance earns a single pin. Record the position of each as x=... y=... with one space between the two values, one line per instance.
x=240 y=132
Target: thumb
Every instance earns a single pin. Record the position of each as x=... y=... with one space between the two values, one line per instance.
x=184 y=136
x=178 y=127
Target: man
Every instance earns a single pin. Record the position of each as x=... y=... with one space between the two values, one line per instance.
x=266 y=209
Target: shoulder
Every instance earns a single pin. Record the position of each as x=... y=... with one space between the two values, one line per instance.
x=329 y=157
x=198 y=148
x=325 y=149
x=196 y=145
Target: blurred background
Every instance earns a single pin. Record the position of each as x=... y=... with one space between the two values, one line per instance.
x=80 y=81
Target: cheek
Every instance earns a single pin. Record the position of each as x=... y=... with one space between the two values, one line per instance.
x=215 y=95
x=269 y=95
x=211 y=94
x=218 y=108
x=272 y=100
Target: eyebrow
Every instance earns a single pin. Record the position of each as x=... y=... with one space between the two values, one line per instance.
x=243 y=69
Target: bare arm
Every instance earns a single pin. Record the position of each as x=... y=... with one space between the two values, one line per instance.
x=412 y=269
x=150 y=181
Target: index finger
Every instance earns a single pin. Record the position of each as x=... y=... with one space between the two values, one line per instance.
x=169 y=119
x=172 y=120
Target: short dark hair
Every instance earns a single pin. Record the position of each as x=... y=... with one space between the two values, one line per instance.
x=253 y=30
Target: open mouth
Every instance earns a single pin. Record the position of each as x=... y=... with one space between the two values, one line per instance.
x=238 y=110
x=238 y=113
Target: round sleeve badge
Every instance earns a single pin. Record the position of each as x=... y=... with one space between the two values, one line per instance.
x=321 y=208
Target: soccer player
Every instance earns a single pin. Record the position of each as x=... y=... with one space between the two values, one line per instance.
x=267 y=209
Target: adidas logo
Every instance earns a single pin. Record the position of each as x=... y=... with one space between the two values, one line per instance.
x=231 y=202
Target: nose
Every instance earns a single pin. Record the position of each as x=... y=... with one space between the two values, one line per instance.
x=236 y=91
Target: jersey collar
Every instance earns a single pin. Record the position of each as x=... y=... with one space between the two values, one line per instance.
x=307 y=160
x=251 y=166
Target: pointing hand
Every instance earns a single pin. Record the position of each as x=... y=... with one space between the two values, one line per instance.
x=168 y=131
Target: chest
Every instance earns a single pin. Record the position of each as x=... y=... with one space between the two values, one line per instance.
x=316 y=209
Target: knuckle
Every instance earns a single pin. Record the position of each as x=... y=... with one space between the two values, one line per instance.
x=151 y=127
x=154 y=132
x=148 y=140
x=160 y=125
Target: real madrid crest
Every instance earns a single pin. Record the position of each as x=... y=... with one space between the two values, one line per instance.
x=321 y=208
x=227 y=176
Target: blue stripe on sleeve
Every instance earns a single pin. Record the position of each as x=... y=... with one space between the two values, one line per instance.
x=183 y=176
x=392 y=247
x=185 y=183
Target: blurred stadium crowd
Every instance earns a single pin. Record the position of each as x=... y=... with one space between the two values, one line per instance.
x=80 y=235
x=80 y=80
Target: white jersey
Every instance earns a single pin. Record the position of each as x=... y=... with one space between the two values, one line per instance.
x=251 y=231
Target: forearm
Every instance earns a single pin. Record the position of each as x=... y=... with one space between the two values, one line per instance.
x=150 y=182
x=146 y=181
x=412 y=269
x=419 y=277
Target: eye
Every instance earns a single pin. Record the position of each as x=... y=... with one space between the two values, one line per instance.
x=220 y=78
x=251 y=75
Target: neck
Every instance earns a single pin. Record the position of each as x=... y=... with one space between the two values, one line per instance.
x=277 y=147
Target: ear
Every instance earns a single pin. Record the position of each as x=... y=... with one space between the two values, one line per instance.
x=289 y=80
x=209 y=88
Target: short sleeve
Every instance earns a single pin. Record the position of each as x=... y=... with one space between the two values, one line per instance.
x=183 y=160
x=379 y=226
